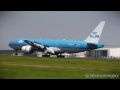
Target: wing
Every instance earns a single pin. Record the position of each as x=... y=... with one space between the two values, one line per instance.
x=34 y=44
x=29 y=42
x=45 y=48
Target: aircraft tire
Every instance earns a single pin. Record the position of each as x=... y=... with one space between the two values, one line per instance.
x=61 y=56
x=45 y=55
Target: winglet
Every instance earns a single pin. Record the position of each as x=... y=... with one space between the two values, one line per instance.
x=96 y=33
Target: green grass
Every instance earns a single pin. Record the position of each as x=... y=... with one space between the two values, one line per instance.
x=23 y=67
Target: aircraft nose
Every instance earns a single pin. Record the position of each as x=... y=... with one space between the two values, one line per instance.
x=10 y=44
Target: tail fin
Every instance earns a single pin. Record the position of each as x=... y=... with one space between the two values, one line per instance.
x=96 y=33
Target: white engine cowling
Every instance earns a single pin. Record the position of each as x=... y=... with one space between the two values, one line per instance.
x=49 y=50
x=27 y=49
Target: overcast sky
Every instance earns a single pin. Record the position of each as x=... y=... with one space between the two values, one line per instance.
x=72 y=25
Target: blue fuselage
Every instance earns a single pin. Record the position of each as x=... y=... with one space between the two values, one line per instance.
x=58 y=45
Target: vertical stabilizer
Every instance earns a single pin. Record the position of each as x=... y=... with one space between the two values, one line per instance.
x=96 y=33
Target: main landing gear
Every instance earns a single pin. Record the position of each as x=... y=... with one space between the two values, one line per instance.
x=16 y=52
x=45 y=55
x=59 y=55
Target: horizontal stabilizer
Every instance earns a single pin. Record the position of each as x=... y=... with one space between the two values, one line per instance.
x=110 y=45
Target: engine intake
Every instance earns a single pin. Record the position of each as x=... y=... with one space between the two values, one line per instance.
x=27 y=49
x=49 y=50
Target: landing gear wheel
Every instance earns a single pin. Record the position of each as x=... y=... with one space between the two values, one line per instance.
x=45 y=55
x=16 y=52
x=60 y=56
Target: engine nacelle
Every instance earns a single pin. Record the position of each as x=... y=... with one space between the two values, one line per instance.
x=27 y=49
x=49 y=50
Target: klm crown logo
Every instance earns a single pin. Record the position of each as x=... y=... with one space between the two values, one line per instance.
x=94 y=32
x=21 y=41
x=94 y=35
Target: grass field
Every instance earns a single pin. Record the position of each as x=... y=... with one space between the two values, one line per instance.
x=23 y=67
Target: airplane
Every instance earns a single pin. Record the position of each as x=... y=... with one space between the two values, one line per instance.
x=58 y=47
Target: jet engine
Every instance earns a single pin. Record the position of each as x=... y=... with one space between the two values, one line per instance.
x=49 y=50
x=27 y=49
